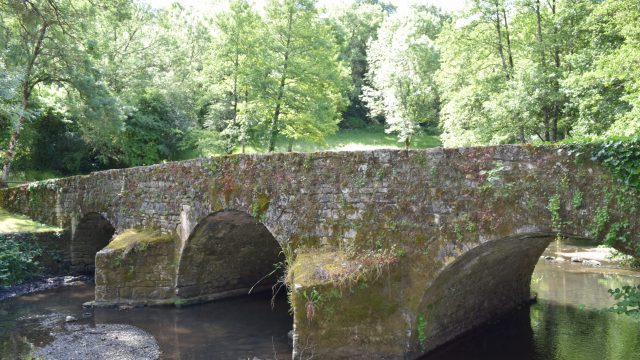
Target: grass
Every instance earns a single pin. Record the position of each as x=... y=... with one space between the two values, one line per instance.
x=13 y=223
x=369 y=138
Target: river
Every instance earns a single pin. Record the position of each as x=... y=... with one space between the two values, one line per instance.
x=567 y=322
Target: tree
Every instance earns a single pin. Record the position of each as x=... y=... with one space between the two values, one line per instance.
x=402 y=63
x=236 y=72
x=355 y=26
x=603 y=86
x=306 y=83
x=43 y=47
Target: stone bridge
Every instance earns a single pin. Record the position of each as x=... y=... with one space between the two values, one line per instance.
x=388 y=254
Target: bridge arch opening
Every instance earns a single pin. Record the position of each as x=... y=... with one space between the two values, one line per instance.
x=227 y=254
x=480 y=285
x=91 y=235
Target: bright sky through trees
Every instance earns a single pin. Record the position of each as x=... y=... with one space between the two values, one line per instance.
x=448 y=5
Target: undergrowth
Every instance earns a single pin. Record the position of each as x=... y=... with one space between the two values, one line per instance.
x=17 y=260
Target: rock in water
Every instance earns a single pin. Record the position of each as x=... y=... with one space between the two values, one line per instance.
x=70 y=319
x=592 y=263
x=576 y=259
x=102 y=342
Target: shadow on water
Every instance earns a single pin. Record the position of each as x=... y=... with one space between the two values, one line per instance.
x=238 y=328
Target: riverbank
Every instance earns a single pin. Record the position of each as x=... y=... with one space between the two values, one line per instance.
x=101 y=342
x=42 y=284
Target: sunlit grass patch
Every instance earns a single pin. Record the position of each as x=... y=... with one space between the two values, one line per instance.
x=13 y=223
x=370 y=138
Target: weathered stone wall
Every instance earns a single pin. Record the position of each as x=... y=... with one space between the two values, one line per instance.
x=376 y=234
x=205 y=271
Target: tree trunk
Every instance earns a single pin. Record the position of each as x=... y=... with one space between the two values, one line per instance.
x=545 y=108
x=276 y=116
x=556 y=58
x=290 y=147
x=27 y=86
x=500 y=47
x=235 y=88
x=545 y=121
x=283 y=81
x=508 y=36
x=13 y=142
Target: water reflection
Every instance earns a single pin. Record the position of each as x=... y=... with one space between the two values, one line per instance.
x=567 y=323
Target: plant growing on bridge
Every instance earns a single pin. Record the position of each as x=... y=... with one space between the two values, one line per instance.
x=600 y=221
x=554 y=209
x=622 y=157
x=314 y=299
x=491 y=177
x=422 y=331
x=576 y=201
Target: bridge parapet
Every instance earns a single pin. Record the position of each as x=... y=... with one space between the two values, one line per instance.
x=379 y=240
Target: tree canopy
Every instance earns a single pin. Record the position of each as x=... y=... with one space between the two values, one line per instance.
x=87 y=85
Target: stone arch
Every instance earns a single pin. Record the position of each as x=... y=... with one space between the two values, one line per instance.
x=227 y=253
x=91 y=235
x=479 y=285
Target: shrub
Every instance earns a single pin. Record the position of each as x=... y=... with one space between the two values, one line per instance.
x=17 y=260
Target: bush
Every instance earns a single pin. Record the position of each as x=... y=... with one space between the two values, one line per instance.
x=17 y=260
x=353 y=122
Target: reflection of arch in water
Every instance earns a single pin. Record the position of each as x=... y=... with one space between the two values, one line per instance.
x=480 y=285
x=91 y=235
x=227 y=253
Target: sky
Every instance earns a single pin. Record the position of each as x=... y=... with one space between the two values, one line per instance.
x=449 y=5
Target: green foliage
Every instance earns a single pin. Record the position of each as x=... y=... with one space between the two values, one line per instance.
x=491 y=177
x=402 y=63
x=354 y=27
x=600 y=221
x=618 y=232
x=471 y=227
x=554 y=208
x=422 y=330
x=313 y=301
x=622 y=157
x=17 y=260
x=627 y=300
x=576 y=200
x=624 y=259
x=515 y=71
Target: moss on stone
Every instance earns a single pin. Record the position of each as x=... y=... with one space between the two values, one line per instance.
x=138 y=239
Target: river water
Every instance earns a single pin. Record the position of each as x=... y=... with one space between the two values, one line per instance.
x=566 y=323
